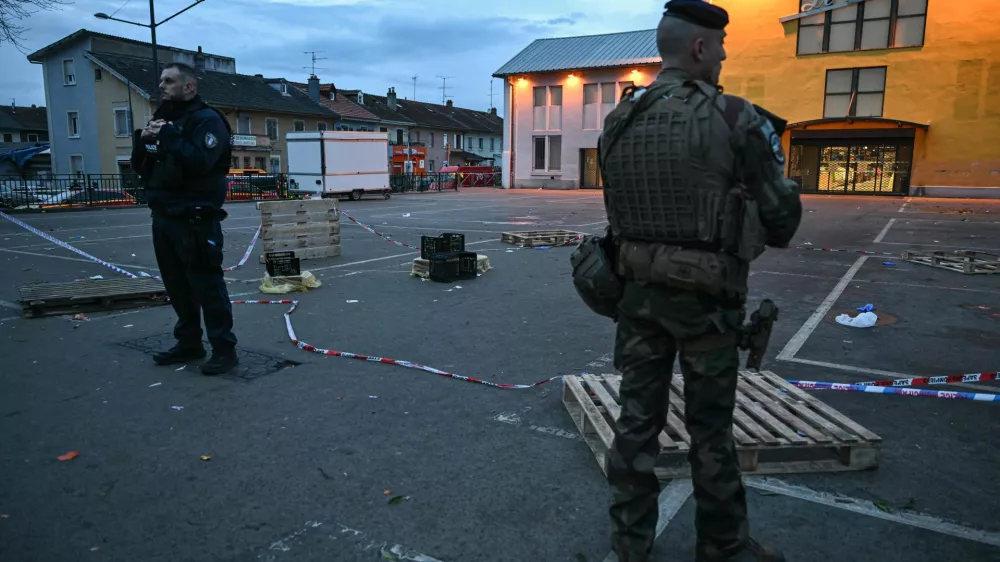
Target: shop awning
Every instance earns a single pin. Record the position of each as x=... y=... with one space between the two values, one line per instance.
x=852 y=120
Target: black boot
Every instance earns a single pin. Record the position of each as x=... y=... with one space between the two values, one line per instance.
x=179 y=353
x=222 y=362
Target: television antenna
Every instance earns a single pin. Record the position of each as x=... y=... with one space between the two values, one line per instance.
x=414 y=78
x=313 y=59
x=444 y=88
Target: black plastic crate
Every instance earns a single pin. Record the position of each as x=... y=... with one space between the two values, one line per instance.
x=282 y=264
x=447 y=267
x=447 y=242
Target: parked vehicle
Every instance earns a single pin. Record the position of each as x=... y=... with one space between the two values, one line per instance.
x=338 y=163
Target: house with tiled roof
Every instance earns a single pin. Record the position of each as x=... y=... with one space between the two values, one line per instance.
x=101 y=87
x=447 y=135
x=23 y=125
x=351 y=116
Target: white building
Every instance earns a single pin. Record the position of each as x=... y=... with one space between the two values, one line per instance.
x=556 y=95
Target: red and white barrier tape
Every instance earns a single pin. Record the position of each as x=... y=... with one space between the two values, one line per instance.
x=978 y=397
x=947 y=379
x=246 y=255
x=862 y=252
x=879 y=387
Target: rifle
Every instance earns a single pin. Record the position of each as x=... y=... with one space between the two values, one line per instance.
x=757 y=333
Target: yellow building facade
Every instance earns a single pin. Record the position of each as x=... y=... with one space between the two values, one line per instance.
x=893 y=97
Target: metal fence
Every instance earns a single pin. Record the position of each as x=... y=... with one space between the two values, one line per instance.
x=69 y=191
x=440 y=181
x=116 y=190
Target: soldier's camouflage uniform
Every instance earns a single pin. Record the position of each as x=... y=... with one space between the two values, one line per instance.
x=666 y=312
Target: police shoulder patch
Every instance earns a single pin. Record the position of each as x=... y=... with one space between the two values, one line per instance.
x=210 y=140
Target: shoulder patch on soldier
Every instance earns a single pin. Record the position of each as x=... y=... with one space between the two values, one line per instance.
x=210 y=140
x=774 y=141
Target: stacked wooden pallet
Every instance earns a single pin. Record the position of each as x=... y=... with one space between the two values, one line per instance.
x=778 y=428
x=969 y=262
x=90 y=295
x=310 y=228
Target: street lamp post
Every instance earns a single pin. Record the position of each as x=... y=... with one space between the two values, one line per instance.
x=152 y=25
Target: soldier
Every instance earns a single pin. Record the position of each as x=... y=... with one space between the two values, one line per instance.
x=694 y=190
x=183 y=157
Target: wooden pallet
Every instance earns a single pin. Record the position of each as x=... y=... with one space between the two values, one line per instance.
x=421 y=267
x=535 y=238
x=964 y=261
x=310 y=228
x=776 y=432
x=90 y=295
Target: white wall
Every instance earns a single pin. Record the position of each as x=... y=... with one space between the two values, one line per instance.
x=570 y=130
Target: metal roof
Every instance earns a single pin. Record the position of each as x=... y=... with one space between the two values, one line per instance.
x=588 y=51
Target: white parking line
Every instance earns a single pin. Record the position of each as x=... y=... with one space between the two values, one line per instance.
x=799 y=339
x=864 y=507
x=885 y=230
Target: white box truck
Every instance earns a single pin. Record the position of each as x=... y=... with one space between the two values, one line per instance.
x=338 y=163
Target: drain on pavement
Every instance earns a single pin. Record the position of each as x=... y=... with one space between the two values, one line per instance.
x=253 y=364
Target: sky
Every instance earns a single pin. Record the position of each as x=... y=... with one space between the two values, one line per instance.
x=367 y=44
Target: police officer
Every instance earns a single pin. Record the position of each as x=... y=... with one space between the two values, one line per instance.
x=183 y=158
x=694 y=190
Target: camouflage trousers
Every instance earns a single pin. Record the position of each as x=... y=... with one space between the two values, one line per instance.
x=655 y=325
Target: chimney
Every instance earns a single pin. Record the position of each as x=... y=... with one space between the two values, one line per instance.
x=390 y=99
x=314 y=87
x=450 y=104
x=199 y=60
x=493 y=111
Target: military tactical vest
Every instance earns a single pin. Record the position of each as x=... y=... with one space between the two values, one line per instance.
x=667 y=163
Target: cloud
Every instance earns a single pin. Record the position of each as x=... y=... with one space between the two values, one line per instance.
x=368 y=44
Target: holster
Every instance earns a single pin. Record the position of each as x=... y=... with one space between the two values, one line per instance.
x=715 y=274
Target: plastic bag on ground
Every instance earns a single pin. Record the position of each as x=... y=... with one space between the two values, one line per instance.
x=295 y=284
x=863 y=320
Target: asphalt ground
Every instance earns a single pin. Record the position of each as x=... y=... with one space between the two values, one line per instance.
x=304 y=461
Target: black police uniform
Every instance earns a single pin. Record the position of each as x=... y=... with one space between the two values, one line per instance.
x=184 y=171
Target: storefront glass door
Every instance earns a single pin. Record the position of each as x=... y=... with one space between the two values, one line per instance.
x=851 y=167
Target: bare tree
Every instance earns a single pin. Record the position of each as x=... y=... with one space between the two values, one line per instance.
x=12 y=11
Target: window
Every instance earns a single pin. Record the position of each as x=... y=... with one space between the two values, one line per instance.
x=7 y=137
x=69 y=72
x=320 y=126
x=258 y=162
x=599 y=99
x=548 y=108
x=458 y=141
x=32 y=137
x=430 y=140
x=868 y=25
x=123 y=123
x=97 y=75
x=284 y=89
x=854 y=92
x=383 y=130
x=275 y=164
x=399 y=136
x=298 y=126
x=243 y=125
x=547 y=154
x=480 y=143
x=272 y=128
x=361 y=98
x=430 y=166
x=76 y=164
x=236 y=162
x=73 y=124
x=493 y=144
